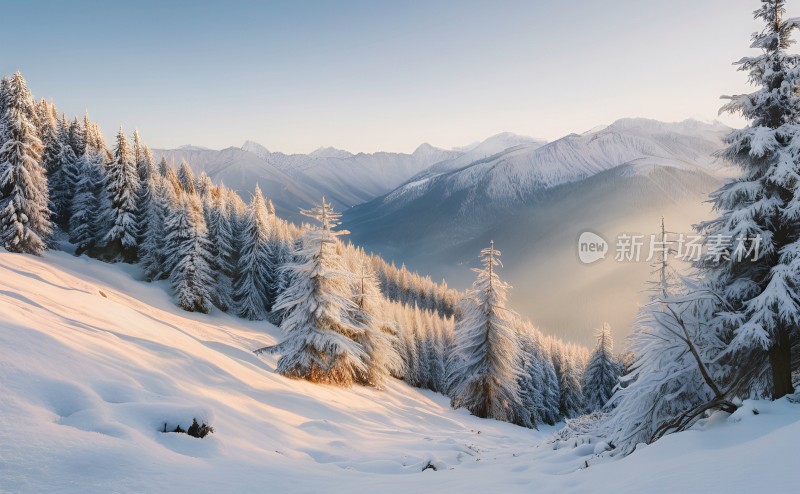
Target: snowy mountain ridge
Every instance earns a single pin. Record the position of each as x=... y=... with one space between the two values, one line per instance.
x=520 y=170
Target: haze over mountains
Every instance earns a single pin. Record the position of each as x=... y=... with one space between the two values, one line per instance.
x=435 y=209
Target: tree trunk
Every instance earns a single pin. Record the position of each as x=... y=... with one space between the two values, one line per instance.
x=780 y=360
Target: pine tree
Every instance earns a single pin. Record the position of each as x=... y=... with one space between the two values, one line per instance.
x=120 y=241
x=186 y=177
x=322 y=335
x=252 y=288
x=222 y=242
x=378 y=339
x=602 y=371
x=77 y=137
x=64 y=177
x=486 y=378
x=86 y=222
x=24 y=197
x=760 y=313
x=569 y=383
x=162 y=201
x=675 y=365
x=187 y=247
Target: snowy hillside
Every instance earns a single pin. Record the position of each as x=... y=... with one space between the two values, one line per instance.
x=93 y=363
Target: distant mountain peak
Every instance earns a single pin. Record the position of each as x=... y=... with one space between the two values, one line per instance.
x=330 y=152
x=255 y=148
x=191 y=147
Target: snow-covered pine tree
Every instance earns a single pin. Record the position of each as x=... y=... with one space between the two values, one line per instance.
x=551 y=391
x=531 y=382
x=760 y=313
x=186 y=177
x=602 y=371
x=675 y=364
x=121 y=240
x=86 y=220
x=163 y=166
x=378 y=339
x=252 y=288
x=223 y=256
x=49 y=129
x=322 y=335
x=204 y=185
x=24 y=212
x=437 y=373
x=146 y=168
x=77 y=137
x=187 y=248
x=569 y=382
x=161 y=204
x=485 y=379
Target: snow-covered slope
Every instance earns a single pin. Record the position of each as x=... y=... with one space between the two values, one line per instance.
x=534 y=201
x=93 y=363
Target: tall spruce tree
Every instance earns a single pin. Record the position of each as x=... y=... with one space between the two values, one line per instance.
x=222 y=245
x=378 y=339
x=187 y=247
x=252 y=287
x=122 y=184
x=486 y=378
x=602 y=371
x=24 y=213
x=759 y=313
x=89 y=202
x=321 y=343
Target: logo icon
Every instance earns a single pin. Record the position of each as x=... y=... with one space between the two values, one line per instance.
x=591 y=247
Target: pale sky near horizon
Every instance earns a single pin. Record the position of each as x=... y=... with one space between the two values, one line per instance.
x=376 y=75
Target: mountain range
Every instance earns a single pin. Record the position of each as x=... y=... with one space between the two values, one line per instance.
x=434 y=209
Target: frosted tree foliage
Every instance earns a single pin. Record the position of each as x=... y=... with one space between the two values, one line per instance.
x=759 y=312
x=672 y=376
x=187 y=247
x=122 y=185
x=24 y=197
x=379 y=338
x=485 y=379
x=321 y=330
x=602 y=372
x=252 y=289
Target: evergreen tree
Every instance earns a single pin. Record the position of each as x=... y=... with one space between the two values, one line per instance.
x=163 y=205
x=322 y=335
x=252 y=287
x=24 y=211
x=77 y=137
x=759 y=313
x=378 y=339
x=602 y=371
x=187 y=247
x=221 y=237
x=86 y=221
x=676 y=361
x=486 y=377
x=186 y=177
x=120 y=241
x=64 y=178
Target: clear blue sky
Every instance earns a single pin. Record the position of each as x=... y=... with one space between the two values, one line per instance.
x=375 y=75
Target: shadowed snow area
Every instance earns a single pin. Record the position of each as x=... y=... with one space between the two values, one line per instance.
x=93 y=363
